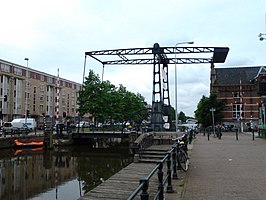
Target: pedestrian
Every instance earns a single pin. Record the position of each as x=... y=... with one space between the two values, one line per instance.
x=190 y=136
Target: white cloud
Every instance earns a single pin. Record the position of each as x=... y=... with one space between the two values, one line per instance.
x=56 y=34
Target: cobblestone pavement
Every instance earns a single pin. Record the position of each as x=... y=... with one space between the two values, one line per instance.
x=226 y=169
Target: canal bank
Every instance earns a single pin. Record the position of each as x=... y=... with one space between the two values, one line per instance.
x=9 y=141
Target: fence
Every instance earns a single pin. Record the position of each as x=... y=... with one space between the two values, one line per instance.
x=170 y=160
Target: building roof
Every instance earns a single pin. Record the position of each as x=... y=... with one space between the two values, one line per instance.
x=233 y=75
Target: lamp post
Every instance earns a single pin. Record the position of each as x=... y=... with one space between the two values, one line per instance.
x=213 y=110
x=176 y=110
x=26 y=91
x=262 y=36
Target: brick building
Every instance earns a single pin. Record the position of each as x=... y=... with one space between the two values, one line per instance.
x=39 y=98
x=244 y=90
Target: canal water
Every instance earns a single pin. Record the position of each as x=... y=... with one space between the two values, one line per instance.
x=60 y=174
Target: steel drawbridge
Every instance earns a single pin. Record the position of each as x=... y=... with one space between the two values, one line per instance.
x=160 y=58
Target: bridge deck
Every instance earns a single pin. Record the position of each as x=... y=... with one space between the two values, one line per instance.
x=123 y=183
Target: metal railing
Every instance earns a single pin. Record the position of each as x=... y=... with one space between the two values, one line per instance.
x=170 y=159
x=144 y=141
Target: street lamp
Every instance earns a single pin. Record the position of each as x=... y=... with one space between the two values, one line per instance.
x=26 y=89
x=213 y=110
x=262 y=36
x=176 y=111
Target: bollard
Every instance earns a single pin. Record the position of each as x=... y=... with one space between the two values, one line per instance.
x=236 y=134
x=253 y=136
x=208 y=135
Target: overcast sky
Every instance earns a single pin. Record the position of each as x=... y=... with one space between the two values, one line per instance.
x=57 y=33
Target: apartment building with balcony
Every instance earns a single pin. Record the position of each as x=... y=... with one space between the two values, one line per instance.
x=36 y=91
x=244 y=91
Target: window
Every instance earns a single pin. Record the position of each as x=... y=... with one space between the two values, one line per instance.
x=5 y=68
x=236 y=94
x=42 y=77
x=41 y=97
x=49 y=79
x=41 y=87
x=262 y=87
x=41 y=108
x=17 y=71
x=238 y=110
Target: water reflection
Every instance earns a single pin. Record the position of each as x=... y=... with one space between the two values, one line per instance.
x=63 y=173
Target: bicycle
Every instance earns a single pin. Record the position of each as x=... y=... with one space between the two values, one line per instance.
x=182 y=156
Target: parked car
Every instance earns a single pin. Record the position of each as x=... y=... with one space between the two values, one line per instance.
x=83 y=124
x=7 y=128
x=60 y=126
x=22 y=129
x=31 y=123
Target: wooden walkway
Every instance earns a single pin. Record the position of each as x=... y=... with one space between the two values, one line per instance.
x=123 y=183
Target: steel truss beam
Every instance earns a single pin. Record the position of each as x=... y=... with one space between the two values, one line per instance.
x=166 y=50
x=151 y=61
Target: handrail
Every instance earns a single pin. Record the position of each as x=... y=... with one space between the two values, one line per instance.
x=143 y=142
x=171 y=159
x=136 y=191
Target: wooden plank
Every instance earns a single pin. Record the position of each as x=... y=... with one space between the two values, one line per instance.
x=123 y=183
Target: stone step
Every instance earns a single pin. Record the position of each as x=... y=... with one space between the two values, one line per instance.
x=149 y=160
x=152 y=156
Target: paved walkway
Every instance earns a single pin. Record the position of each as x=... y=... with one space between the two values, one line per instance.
x=226 y=169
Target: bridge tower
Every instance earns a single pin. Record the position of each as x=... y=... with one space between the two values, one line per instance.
x=160 y=116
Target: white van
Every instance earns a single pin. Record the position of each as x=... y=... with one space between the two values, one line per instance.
x=31 y=123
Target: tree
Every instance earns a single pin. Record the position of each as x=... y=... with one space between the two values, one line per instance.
x=107 y=103
x=182 y=117
x=203 y=113
x=90 y=96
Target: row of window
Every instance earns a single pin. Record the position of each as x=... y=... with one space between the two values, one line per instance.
x=238 y=111
x=49 y=79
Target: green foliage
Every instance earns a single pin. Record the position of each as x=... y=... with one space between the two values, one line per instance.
x=107 y=103
x=182 y=116
x=203 y=113
x=172 y=112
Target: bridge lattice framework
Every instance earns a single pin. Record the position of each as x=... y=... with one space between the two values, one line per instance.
x=160 y=58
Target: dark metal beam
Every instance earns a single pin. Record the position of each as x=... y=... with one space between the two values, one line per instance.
x=151 y=61
x=131 y=51
x=220 y=54
x=165 y=50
